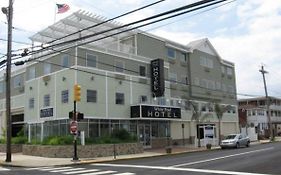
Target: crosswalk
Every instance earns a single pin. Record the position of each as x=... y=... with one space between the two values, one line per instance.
x=4 y=169
x=78 y=171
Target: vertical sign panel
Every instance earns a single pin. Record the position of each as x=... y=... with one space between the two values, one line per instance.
x=157 y=78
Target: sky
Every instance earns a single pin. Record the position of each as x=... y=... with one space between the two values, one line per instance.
x=245 y=32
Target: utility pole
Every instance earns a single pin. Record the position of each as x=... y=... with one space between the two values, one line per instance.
x=8 y=11
x=267 y=104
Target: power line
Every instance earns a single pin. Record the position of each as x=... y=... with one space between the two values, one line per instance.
x=133 y=28
x=106 y=21
x=193 y=5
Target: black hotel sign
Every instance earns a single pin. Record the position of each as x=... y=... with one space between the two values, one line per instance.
x=157 y=78
x=147 y=111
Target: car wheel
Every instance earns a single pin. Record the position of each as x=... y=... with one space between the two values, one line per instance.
x=237 y=145
x=248 y=144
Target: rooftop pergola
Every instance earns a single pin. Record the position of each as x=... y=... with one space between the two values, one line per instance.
x=76 y=22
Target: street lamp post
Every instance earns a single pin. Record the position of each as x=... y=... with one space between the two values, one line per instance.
x=9 y=13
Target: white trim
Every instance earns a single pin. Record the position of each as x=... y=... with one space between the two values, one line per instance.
x=106 y=94
x=131 y=91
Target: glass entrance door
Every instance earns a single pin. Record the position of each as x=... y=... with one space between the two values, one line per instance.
x=145 y=135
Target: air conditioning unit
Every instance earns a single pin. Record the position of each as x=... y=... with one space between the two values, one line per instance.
x=46 y=78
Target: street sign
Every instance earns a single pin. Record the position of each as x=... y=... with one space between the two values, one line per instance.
x=73 y=127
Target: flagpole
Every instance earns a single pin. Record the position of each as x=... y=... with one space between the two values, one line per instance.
x=55 y=13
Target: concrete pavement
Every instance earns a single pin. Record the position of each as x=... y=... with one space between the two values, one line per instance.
x=21 y=160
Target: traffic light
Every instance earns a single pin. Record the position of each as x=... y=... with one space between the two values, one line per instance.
x=77 y=92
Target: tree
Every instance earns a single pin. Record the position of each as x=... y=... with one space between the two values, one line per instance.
x=220 y=110
x=197 y=116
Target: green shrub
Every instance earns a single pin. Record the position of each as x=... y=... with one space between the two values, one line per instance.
x=19 y=140
x=58 y=140
x=2 y=141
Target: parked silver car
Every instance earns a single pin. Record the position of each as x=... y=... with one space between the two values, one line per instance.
x=235 y=141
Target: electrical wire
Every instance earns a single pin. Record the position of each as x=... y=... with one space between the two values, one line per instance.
x=132 y=28
x=200 y=3
x=96 y=25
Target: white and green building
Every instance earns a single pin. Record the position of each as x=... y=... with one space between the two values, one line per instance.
x=116 y=79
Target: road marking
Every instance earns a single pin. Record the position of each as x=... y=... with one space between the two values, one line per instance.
x=101 y=172
x=70 y=169
x=82 y=171
x=4 y=169
x=224 y=157
x=180 y=169
x=51 y=169
x=37 y=168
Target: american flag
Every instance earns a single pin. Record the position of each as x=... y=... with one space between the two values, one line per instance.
x=62 y=8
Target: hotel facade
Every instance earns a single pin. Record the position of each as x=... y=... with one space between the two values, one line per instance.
x=143 y=83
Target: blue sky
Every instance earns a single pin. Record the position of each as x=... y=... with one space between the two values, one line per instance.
x=247 y=33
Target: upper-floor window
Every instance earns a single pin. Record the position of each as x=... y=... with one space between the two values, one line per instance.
x=142 y=71
x=183 y=57
x=143 y=99
x=218 y=85
x=119 y=98
x=31 y=103
x=91 y=96
x=229 y=71
x=17 y=81
x=119 y=66
x=31 y=73
x=47 y=68
x=65 y=61
x=171 y=53
x=222 y=69
x=173 y=77
x=64 y=96
x=1 y=87
x=46 y=100
x=91 y=60
x=206 y=62
x=184 y=80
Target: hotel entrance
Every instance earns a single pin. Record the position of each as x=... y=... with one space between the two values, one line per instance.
x=144 y=131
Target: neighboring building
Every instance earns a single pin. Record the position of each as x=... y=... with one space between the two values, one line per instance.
x=253 y=113
x=133 y=80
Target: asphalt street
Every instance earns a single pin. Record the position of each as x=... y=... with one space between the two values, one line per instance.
x=256 y=160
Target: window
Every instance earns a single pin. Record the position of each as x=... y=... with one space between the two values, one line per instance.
x=173 y=77
x=171 y=53
x=196 y=81
x=31 y=73
x=17 y=81
x=47 y=100
x=64 y=96
x=218 y=85
x=31 y=103
x=229 y=71
x=161 y=101
x=119 y=66
x=65 y=61
x=1 y=87
x=211 y=84
x=143 y=99
x=206 y=62
x=142 y=70
x=183 y=57
x=47 y=68
x=222 y=69
x=91 y=60
x=119 y=98
x=184 y=80
x=91 y=96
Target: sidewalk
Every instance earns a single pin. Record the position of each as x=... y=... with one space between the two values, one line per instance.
x=21 y=160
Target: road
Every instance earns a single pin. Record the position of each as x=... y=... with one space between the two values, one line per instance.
x=256 y=160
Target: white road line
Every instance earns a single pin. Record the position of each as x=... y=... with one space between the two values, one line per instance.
x=101 y=172
x=83 y=171
x=65 y=170
x=4 y=169
x=218 y=158
x=59 y=168
x=180 y=169
x=36 y=168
